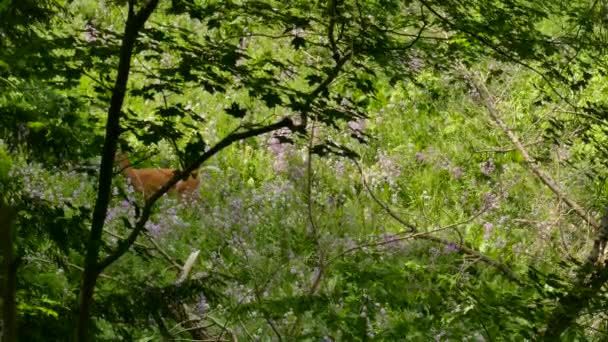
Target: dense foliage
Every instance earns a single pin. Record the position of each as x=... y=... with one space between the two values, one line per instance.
x=363 y=170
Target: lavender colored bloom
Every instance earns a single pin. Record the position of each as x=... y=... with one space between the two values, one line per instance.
x=357 y=126
x=201 y=306
x=451 y=248
x=236 y=205
x=420 y=157
x=297 y=173
x=390 y=169
x=37 y=193
x=457 y=172
x=154 y=229
x=110 y=215
x=488 y=227
x=490 y=201
x=500 y=243
x=280 y=164
x=416 y=64
x=339 y=168
x=275 y=146
x=488 y=167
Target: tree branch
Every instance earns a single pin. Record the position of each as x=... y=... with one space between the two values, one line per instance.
x=545 y=178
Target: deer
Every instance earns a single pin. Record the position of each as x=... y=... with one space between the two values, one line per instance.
x=148 y=181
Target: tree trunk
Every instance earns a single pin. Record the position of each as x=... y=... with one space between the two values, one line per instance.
x=9 y=274
x=85 y=302
x=135 y=22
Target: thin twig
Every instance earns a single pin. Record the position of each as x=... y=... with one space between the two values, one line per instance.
x=509 y=149
x=412 y=227
x=162 y=251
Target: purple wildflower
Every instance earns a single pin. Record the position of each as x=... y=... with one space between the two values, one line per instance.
x=390 y=169
x=488 y=167
x=275 y=146
x=490 y=201
x=451 y=248
x=201 y=306
x=280 y=164
x=488 y=227
x=420 y=157
x=357 y=126
x=457 y=172
x=154 y=229
x=500 y=243
x=236 y=205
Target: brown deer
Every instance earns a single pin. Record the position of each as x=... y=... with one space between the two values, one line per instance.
x=148 y=181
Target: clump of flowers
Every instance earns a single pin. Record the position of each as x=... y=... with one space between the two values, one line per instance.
x=487 y=227
x=490 y=201
x=155 y=229
x=487 y=167
x=420 y=157
x=451 y=248
x=457 y=172
x=389 y=168
x=357 y=127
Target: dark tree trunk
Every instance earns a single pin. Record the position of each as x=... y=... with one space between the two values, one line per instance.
x=9 y=274
x=135 y=21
